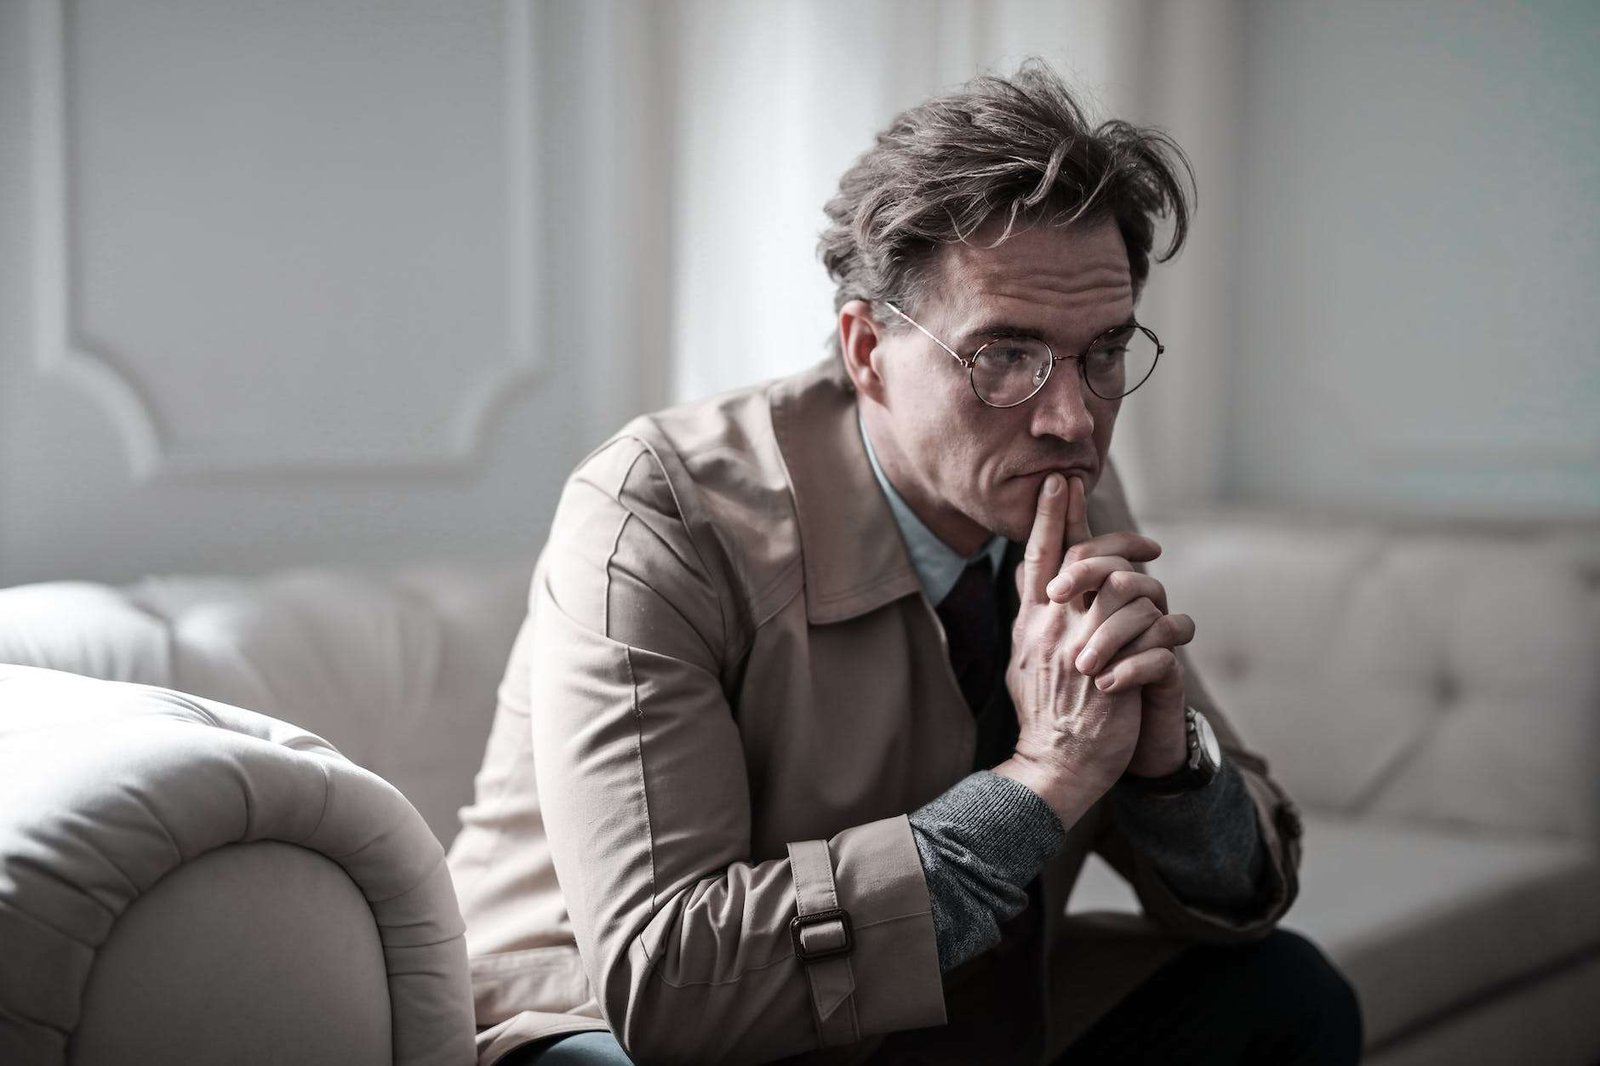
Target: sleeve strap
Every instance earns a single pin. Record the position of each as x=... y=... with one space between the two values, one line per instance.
x=823 y=941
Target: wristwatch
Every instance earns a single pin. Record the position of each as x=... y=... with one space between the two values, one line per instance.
x=1203 y=763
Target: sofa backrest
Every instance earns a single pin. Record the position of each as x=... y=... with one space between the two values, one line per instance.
x=1434 y=674
x=1404 y=671
x=398 y=670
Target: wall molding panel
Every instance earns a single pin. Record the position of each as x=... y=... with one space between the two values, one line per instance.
x=158 y=444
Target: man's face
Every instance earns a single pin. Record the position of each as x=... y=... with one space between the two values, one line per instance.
x=968 y=469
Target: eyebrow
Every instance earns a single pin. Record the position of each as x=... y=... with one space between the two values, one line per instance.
x=1001 y=329
x=995 y=330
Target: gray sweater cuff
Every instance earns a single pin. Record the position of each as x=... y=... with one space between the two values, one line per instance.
x=981 y=842
x=1205 y=844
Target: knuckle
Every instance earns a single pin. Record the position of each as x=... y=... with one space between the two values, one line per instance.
x=1138 y=644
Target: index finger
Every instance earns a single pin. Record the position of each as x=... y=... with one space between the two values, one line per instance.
x=1041 y=559
x=1077 y=526
x=1077 y=514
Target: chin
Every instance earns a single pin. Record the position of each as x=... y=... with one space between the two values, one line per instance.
x=1012 y=526
x=1018 y=532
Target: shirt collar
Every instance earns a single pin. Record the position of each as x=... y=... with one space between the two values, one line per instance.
x=938 y=565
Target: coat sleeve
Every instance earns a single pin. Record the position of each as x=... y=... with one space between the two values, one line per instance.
x=1277 y=817
x=686 y=938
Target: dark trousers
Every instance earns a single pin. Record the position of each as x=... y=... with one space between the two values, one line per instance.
x=1278 y=1000
x=1275 y=1002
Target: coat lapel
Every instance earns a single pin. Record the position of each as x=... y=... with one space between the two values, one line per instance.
x=855 y=560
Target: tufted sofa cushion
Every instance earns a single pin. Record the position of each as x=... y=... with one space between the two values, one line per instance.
x=1442 y=676
x=398 y=670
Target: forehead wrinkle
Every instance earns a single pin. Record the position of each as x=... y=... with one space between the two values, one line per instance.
x=1041 y=301
x=1050 y=287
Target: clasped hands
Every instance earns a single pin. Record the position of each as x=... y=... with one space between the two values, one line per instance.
x=1086 y=613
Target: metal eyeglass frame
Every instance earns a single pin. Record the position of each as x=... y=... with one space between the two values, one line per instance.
x=972 y=361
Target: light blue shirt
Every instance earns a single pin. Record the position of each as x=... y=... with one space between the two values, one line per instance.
x=938 y=565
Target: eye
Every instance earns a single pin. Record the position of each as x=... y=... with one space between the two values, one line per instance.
x=1005 y=355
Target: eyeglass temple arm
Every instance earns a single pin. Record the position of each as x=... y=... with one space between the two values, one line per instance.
x=925 y=333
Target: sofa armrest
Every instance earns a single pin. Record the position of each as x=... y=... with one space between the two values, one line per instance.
x=127 y=812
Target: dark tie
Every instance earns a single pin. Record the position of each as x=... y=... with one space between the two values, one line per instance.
x=971 y=629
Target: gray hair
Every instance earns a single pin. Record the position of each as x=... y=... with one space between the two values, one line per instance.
x=1017 y=148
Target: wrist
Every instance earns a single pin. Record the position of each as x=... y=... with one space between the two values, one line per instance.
x=1162 y=765
x=1067 y=794
x=1201 y=765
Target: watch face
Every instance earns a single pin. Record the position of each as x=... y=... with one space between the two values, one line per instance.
x=1208 y=739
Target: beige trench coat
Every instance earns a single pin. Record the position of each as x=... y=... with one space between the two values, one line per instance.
x=727 y=696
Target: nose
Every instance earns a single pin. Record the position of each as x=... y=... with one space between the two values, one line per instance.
x=1063 y=407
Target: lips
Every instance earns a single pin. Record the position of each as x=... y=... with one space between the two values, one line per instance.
x=1067 y=472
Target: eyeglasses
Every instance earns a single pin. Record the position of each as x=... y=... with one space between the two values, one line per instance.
x=1009 y=371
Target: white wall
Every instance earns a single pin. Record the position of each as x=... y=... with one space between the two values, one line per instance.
x=313 y=283
x=1420 y=258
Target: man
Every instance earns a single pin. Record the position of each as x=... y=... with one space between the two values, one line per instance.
x=828 y=686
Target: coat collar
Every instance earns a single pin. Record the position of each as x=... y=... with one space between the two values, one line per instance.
x=855 y=560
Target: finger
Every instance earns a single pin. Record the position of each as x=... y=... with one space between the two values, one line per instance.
x=1099 y=575
x=1088 y=575
x=1077 y=514
x=1130 y=545
x=1078 y=531
x=1168 y=631
x=1042 y=556
x=1147 y=668
x=1110 y=636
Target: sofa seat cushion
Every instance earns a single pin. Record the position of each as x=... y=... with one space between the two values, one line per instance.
x=1424 y=919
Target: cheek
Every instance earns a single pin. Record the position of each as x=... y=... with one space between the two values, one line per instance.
x=976 y=460
x=1104 y=419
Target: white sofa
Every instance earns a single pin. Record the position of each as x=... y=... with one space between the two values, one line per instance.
x=1430 y=694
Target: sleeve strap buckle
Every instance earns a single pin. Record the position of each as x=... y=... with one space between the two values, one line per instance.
x=824 y=942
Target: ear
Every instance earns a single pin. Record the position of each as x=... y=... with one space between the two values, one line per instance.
x=859 y=337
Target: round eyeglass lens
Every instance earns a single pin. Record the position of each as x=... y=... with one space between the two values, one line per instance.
x=1120 y=361
x=1006 y=372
